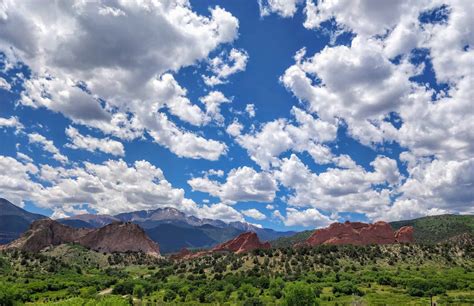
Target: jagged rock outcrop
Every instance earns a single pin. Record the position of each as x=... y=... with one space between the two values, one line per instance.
x=404 y=234
x=46 y=232
x=359 y=233
x=245 y=242
x=119 y=237
x=115 y=237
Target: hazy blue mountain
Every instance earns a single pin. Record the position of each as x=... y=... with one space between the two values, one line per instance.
x=14 y=221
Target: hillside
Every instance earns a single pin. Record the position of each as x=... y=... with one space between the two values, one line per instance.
x=435 y=229
x=431 y=229
x=14 y=221
x=325 y=274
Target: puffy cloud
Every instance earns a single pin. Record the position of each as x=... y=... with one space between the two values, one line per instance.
x=12 y=122
x=284 y=8
x=4 y=84
x=225 y=65
x=115 y=84
x=279 y=136
x=108 y=188
x=270 y=207
x=15 y=183
x=213 y=101
x=250 y=109
x=308 y=218
x=254 y=213
x=242 y=184
x=182 y=143
x=48 y=146
x=219 y=211
x=92 y=144
x=339 y=190
x=234 y=129
x=364 y=17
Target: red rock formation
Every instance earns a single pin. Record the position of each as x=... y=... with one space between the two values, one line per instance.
x=119 y=237
x=404 y=234
x=115 y=237
x=245 y=242
x=359 y=233
x=44 y=233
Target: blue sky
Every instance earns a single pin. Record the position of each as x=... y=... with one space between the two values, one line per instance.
x=289 y=115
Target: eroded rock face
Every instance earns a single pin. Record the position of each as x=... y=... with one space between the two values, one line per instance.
x=245 y=242
x=119 y=237
x=115 y=237
x=359 y=233
x=44 y=233
x=404 y=234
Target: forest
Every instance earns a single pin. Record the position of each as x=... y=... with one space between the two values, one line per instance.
x=323 y=275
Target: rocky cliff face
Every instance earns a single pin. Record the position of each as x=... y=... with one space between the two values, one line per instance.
x=46 y=232
x=115 y=237
x=119 y=237
x=404 y=234
x=245 y=242
x=359 y=233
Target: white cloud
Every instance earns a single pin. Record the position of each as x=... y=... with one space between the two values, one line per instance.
x=48 y=146
x=339 y=190
x=254 y=213
x=225 y=65
x=24 y=157
x=4 y=84
x=250 y=109
x=279 y=136
x=113 y=84
x=92 y=144
x=234 y=129
x=213 y=101
x=270 y=207
x=12 y=122
x=219 y=211
x=108 y=188
x=15 y=183
x=308 y=218
x=242 y=184
x=284 y=8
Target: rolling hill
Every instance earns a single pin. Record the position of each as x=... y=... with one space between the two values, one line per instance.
x=14 y=221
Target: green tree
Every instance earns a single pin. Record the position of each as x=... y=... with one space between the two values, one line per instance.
x=299 y=294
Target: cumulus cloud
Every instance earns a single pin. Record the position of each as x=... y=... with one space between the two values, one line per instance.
x=242 y=184
x=276 y=137
x=234 y=129
x=48 y=146
x=340 y=190
x=250 y=109
x=225 y=65
x=102 y=84
x=92 y=144
x=12 y=122
x=213 y=101
x=254 y=213
x=284 y=8
x=308 y=218
x=108 y=188
x=4 y=84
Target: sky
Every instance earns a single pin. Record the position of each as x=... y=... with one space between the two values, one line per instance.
x=287 y=114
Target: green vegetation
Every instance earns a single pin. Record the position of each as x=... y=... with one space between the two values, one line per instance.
x=284 y=242
x=434 y=229
x=334 y=275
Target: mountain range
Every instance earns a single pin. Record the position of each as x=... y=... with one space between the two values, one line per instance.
x=172 y=229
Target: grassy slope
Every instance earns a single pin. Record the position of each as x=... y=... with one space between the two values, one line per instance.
x=434 y=229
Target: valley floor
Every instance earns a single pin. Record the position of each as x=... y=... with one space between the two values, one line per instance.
x=325 y=275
